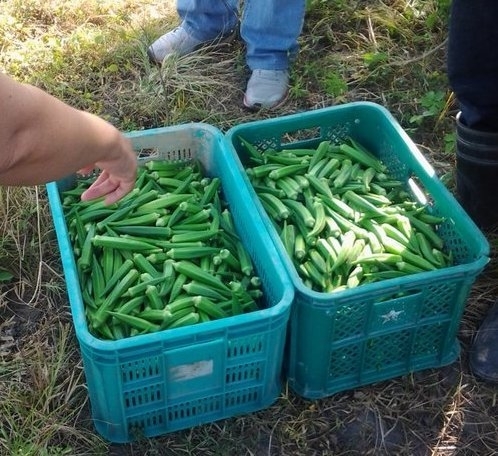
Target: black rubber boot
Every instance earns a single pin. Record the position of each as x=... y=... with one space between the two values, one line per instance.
x=484 y=352
x=477 y=174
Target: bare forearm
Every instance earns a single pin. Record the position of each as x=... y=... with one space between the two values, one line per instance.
x=43 y=139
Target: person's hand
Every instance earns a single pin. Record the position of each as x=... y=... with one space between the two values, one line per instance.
x=118 y=174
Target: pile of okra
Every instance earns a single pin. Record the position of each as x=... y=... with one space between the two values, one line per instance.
x=342 y=218
x=167 y=255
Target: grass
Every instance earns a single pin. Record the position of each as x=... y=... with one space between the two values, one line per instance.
x=92 y=55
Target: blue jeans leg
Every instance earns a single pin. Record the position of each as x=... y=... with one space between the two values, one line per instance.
x=270 y=29
x=473 y=61
x=206 y=20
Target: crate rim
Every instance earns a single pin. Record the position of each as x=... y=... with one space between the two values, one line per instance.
x=212 y=327
x=387 y=286
x=324 y=299
x=132 y=134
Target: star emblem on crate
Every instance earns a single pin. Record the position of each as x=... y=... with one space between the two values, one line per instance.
x=392 y=315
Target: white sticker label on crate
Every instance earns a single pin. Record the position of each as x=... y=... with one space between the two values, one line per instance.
x=191 y=371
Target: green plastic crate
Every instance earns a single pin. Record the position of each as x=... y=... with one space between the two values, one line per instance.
x=158 y=383
x=343 y=340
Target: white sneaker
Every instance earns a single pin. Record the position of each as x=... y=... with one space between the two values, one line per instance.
x=266 y=89
x=178 y=42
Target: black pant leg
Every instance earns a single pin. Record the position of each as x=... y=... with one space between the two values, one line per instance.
x=473 y=61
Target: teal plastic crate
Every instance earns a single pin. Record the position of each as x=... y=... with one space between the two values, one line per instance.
x=154 y=384
x=343 y=340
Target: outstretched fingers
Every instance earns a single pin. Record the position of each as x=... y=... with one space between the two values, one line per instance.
x=109 y=187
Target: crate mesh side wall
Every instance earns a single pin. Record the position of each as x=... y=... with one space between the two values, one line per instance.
x=375 y=357
x=427 y=336
x=248 y=363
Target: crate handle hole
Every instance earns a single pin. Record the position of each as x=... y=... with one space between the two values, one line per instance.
x=302 y=134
